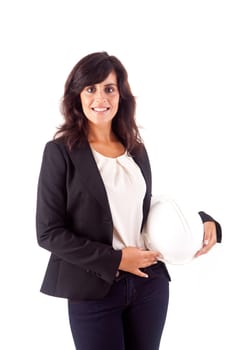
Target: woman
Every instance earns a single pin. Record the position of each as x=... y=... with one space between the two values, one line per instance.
x=94 y=195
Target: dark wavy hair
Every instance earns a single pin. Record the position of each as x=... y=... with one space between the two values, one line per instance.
x=93 y=69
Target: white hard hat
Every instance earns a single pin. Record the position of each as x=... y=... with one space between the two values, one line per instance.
x=177 y=233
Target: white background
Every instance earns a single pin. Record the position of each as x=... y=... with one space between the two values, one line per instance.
x=179 y=58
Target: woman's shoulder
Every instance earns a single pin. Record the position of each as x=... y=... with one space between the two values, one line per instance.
x=59 y=147
x=55 y=148
x=139 y=150
x=59 y=141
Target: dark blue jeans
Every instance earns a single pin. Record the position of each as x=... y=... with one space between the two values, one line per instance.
x=130 y=317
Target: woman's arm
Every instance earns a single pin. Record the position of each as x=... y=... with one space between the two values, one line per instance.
x=206 y=217
x=212 y=233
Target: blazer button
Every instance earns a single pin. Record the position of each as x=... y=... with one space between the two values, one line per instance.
x=117 y=273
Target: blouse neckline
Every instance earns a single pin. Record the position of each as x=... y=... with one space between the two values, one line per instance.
x=107 y=157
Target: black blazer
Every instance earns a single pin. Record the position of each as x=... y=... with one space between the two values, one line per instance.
x=74 y=222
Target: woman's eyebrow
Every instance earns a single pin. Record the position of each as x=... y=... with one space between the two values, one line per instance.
x=110 y=84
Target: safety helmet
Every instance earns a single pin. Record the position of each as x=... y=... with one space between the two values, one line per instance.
x=176 y=232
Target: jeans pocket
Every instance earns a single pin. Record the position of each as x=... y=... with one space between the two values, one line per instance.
x=158 y=270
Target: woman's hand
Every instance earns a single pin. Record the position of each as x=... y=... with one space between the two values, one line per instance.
x=135 y=258
x=209 y=239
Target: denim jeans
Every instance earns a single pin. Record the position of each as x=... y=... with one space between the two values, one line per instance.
x=130 y=317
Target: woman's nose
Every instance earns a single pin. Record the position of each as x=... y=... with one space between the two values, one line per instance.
x=100 y=95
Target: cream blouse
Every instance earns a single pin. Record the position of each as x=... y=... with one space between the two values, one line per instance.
x=125 y=187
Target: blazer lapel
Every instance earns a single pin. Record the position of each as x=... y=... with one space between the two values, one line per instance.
x=85 y=164
x=141 y=158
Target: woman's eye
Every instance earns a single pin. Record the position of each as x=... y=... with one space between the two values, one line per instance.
x=90 y=89
x=110 y=89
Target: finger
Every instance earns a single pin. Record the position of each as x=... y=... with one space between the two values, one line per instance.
x=140 y=273
x=160 y=256
x=208 y=242
x=147 y=263
x=200 y=252
x=210 y=233
x=151 y=260
x=207 y=245
x=153 y=255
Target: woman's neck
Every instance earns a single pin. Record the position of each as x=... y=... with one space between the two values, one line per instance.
x=105 y=142
x=102 y=135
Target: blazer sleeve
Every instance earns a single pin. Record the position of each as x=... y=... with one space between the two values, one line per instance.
x=206 y=217
x=53 y=231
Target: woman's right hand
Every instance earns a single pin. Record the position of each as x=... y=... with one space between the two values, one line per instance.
x=135 y=258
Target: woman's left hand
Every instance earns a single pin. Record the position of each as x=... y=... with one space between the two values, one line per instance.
x=209 y=239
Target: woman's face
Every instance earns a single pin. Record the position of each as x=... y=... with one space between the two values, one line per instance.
x=100 y=101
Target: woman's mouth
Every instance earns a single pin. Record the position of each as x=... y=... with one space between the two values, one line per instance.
x=100 y=109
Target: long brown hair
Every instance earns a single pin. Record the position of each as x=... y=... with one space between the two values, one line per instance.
x=90 y=70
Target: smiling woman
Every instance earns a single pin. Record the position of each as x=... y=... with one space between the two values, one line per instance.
x=94 y=196
x=99 y=81
x=100 y=101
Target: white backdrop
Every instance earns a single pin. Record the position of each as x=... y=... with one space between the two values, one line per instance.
x=179 y=58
